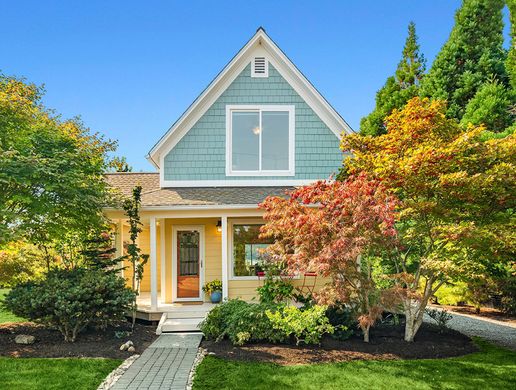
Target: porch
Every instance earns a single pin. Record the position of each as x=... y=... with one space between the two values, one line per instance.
x=146 y=312
x=186 y=249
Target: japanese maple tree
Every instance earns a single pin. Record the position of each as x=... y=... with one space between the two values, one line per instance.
x=457 y=193
x=335 y=228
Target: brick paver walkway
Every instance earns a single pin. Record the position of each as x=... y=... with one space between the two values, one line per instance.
x=165 y=364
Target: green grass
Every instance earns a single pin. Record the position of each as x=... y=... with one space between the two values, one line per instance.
x=7 y=316
x=491 y=368
x=54 y=374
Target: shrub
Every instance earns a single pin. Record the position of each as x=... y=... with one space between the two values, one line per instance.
x=507 y=288
x=19 y=263
x=241 y=322
x=441 y=317
x=452 y=294
x=341 y=318
x=306 y=326
x=70 y=300
x=275 y=290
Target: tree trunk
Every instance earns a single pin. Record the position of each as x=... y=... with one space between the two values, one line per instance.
x=365 y=332
x=413 y=320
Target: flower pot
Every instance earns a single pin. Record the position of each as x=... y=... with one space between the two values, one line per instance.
x=216 y=297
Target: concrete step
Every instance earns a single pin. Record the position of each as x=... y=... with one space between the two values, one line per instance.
x=180 y=325
x=187 y=314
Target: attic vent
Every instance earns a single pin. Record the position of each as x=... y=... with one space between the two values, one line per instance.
x=260 y=67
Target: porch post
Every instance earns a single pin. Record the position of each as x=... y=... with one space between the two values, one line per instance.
x=153 y=265
x=162 y=258
x=120 y=244
x=225 y=277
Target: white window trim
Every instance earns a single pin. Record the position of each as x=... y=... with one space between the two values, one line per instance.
x=250 y=221
x=291 y=139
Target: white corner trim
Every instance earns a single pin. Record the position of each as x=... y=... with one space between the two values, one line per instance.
x=291 y=109
x=237 y=183
x=260 y=43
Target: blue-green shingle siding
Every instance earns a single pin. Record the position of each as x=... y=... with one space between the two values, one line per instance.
x=201 y=153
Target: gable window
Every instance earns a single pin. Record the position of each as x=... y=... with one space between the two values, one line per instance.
x=260 y=140
x=246 y=251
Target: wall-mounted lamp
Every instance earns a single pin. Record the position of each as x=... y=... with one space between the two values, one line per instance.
x=219 y=226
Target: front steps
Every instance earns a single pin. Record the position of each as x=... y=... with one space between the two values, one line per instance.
x=184 y=318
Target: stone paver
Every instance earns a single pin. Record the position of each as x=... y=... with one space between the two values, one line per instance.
x=165 y=364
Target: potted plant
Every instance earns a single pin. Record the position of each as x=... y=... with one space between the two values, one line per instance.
x=214 y=288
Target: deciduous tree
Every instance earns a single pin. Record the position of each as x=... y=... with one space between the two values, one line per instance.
x=457 y=192
x=334 y=229
x=51 y=170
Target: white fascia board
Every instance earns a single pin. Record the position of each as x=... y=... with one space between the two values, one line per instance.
x=237 y=183
x=257 y=44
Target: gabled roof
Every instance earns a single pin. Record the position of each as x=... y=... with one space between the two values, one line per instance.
x=203 y=197
x=259 y=42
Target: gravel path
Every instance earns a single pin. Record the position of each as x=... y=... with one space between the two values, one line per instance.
x=492 y=330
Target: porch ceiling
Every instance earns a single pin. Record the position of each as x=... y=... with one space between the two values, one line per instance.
x=153 y=195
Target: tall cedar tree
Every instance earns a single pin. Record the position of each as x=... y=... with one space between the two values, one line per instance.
x=472 y=56
x=398 y=89
x=511 y=57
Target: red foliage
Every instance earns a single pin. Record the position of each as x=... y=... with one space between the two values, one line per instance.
x=327 y=228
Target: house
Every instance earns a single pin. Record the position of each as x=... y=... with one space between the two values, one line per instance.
x=259 y=129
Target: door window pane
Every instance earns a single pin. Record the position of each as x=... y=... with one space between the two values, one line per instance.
x=246 y=142
x=275 y=140
x=188 y=253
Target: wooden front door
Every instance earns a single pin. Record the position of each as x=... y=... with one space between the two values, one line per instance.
x=189 y=263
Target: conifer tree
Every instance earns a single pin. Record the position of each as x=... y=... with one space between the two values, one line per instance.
x=510 y=64
x=399 y=88
x=472 y=56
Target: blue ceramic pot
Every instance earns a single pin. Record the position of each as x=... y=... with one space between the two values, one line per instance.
x=216 y=297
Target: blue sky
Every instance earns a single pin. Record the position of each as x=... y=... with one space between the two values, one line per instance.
x=130 y=68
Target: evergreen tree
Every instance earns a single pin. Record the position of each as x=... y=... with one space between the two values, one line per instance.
x=398 y=89
x=472 y=56
x=491 y=106
x=511 y=58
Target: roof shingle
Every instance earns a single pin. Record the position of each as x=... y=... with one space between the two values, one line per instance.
x=153 y=195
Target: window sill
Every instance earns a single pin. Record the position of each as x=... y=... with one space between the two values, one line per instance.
x=260 y=173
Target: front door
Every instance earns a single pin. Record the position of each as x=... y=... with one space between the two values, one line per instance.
x=188 y=255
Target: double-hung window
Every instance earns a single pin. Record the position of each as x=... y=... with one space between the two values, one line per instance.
x=260 y=140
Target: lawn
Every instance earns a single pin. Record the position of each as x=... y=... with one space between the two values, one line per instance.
x=491 y=368
x=54 y=374
x=7 y=316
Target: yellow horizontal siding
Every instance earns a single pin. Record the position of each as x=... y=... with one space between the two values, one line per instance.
x=243 y=289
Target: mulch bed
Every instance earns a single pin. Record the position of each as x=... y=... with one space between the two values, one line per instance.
x=91 y=343
x=485 y=312
x=386 y=344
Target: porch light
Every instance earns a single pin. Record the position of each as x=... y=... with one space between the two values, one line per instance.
x=219 y=226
